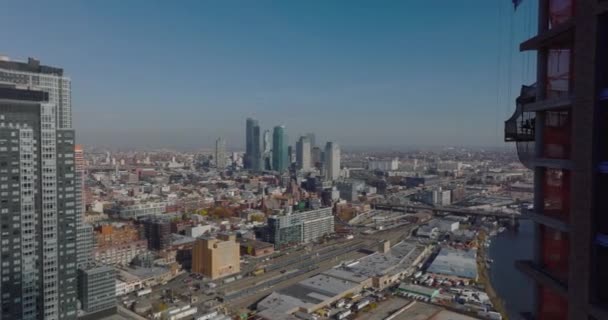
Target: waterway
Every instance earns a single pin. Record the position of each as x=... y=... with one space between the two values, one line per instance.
x=513 y=287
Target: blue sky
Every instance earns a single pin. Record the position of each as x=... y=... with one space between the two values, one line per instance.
x=363 y=73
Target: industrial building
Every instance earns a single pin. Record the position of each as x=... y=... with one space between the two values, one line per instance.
x=455 y=264
x=298 y=227
x=417 y=292
x=384 y=268
x=216 y=257
x=306 y=296
x=379 y=270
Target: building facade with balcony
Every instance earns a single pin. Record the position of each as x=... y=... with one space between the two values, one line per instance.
x=560 y=126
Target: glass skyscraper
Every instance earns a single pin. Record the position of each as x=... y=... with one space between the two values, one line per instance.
x=253 y=149
x=279 y=149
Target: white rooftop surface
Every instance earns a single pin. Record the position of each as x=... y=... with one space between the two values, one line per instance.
x=453 y=262
x=327 y=284
x=400 y=256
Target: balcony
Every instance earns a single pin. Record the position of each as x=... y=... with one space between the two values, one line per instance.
x=558 y=35
x=546 y=220
x=542 y=277
x=520 y=128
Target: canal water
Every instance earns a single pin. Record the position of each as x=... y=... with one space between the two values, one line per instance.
x=513 y=287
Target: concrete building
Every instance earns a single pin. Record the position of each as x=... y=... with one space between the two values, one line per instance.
x=38 y=193
x=85 y=241
x=299 y=227
x=350 y=190
x=197 y=231
x=143 y=209
x=220 y=153
x=561 y=118
x=118 y=244
x=418 y=181
x=303 y=154
x=383 y=165
x=97 y=289
x=120 y=254
x=436 y=197
x=332 y=161
x=158 y=232
x=280 y=161
x=255 y=248
x=216 y=257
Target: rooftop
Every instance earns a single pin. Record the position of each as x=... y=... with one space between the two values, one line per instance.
x=452 y=262
x=400 y=257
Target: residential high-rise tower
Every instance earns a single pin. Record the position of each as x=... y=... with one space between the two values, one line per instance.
x=303 y=153
x=561 y=129
x=220 y=153
x=39 y=254
x=85 y=242
x=332 y=161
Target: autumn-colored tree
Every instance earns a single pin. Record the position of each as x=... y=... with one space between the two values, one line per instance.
x=222 y=212
x=159 y=306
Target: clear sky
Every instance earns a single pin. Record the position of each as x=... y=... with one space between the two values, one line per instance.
x=363 y=73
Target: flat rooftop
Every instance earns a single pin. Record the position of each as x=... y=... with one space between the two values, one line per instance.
x=458 y=263
x=401 y=256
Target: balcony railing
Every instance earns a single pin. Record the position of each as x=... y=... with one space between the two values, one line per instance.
x=520 y=128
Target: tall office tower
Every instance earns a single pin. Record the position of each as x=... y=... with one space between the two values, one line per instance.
x=291 y=157
x=256 y=158
x=267 y=144
x=37 y=204
x=303 y=153
x=267 y=150
x=560 y=126
x=279 y=149
x=312 y=139
x=85 y=242
x=315 y=155
x=332 y=161
x=220 y=153
x=252 y=160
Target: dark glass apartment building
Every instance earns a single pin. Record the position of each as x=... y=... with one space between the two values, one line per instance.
x=561 y=130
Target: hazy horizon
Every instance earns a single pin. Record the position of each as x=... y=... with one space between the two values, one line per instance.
x=366 y=74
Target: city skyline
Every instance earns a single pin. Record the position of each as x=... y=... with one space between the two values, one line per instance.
x=315 y=73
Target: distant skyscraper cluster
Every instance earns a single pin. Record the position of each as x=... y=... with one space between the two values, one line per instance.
x=272 y=152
